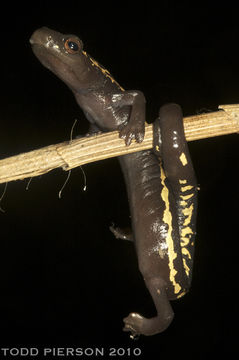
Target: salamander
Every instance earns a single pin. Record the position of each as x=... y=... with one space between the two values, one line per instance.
x=161 y=183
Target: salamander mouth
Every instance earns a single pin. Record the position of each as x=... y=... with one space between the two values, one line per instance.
x=39 y=37
x=51 y=61
x=40 y=52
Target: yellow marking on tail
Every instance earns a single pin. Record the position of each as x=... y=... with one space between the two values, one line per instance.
x=167 y=218
x=186 y=268
x=186 y=188
x=186 y=197
x=183 y=159
x=182 y=181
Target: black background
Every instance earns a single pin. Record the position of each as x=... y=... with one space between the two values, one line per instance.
x=65 y=281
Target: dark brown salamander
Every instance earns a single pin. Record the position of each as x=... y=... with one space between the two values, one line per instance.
x=161 y=183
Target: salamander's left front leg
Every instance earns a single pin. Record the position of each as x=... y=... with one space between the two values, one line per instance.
x=133 y=129
x=137 y=324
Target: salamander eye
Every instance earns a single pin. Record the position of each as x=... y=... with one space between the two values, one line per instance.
x=73 y=46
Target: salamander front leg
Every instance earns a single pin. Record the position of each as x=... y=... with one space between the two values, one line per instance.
x=134 y=127
x=137 y=324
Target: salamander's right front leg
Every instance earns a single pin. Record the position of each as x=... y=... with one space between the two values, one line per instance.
x=133 y=129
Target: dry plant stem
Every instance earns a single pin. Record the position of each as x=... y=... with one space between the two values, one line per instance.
x=69 y=155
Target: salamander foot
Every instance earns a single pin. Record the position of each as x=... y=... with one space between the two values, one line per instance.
x=133 y=323
x=130 y=132
x=139 y=325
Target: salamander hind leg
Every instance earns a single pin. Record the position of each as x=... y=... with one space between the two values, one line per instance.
x=124 y=234
x=139 y=325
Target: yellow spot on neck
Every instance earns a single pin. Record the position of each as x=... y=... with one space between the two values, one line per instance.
x=103 y=70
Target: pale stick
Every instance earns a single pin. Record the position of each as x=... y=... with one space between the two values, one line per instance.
x=71 y=154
